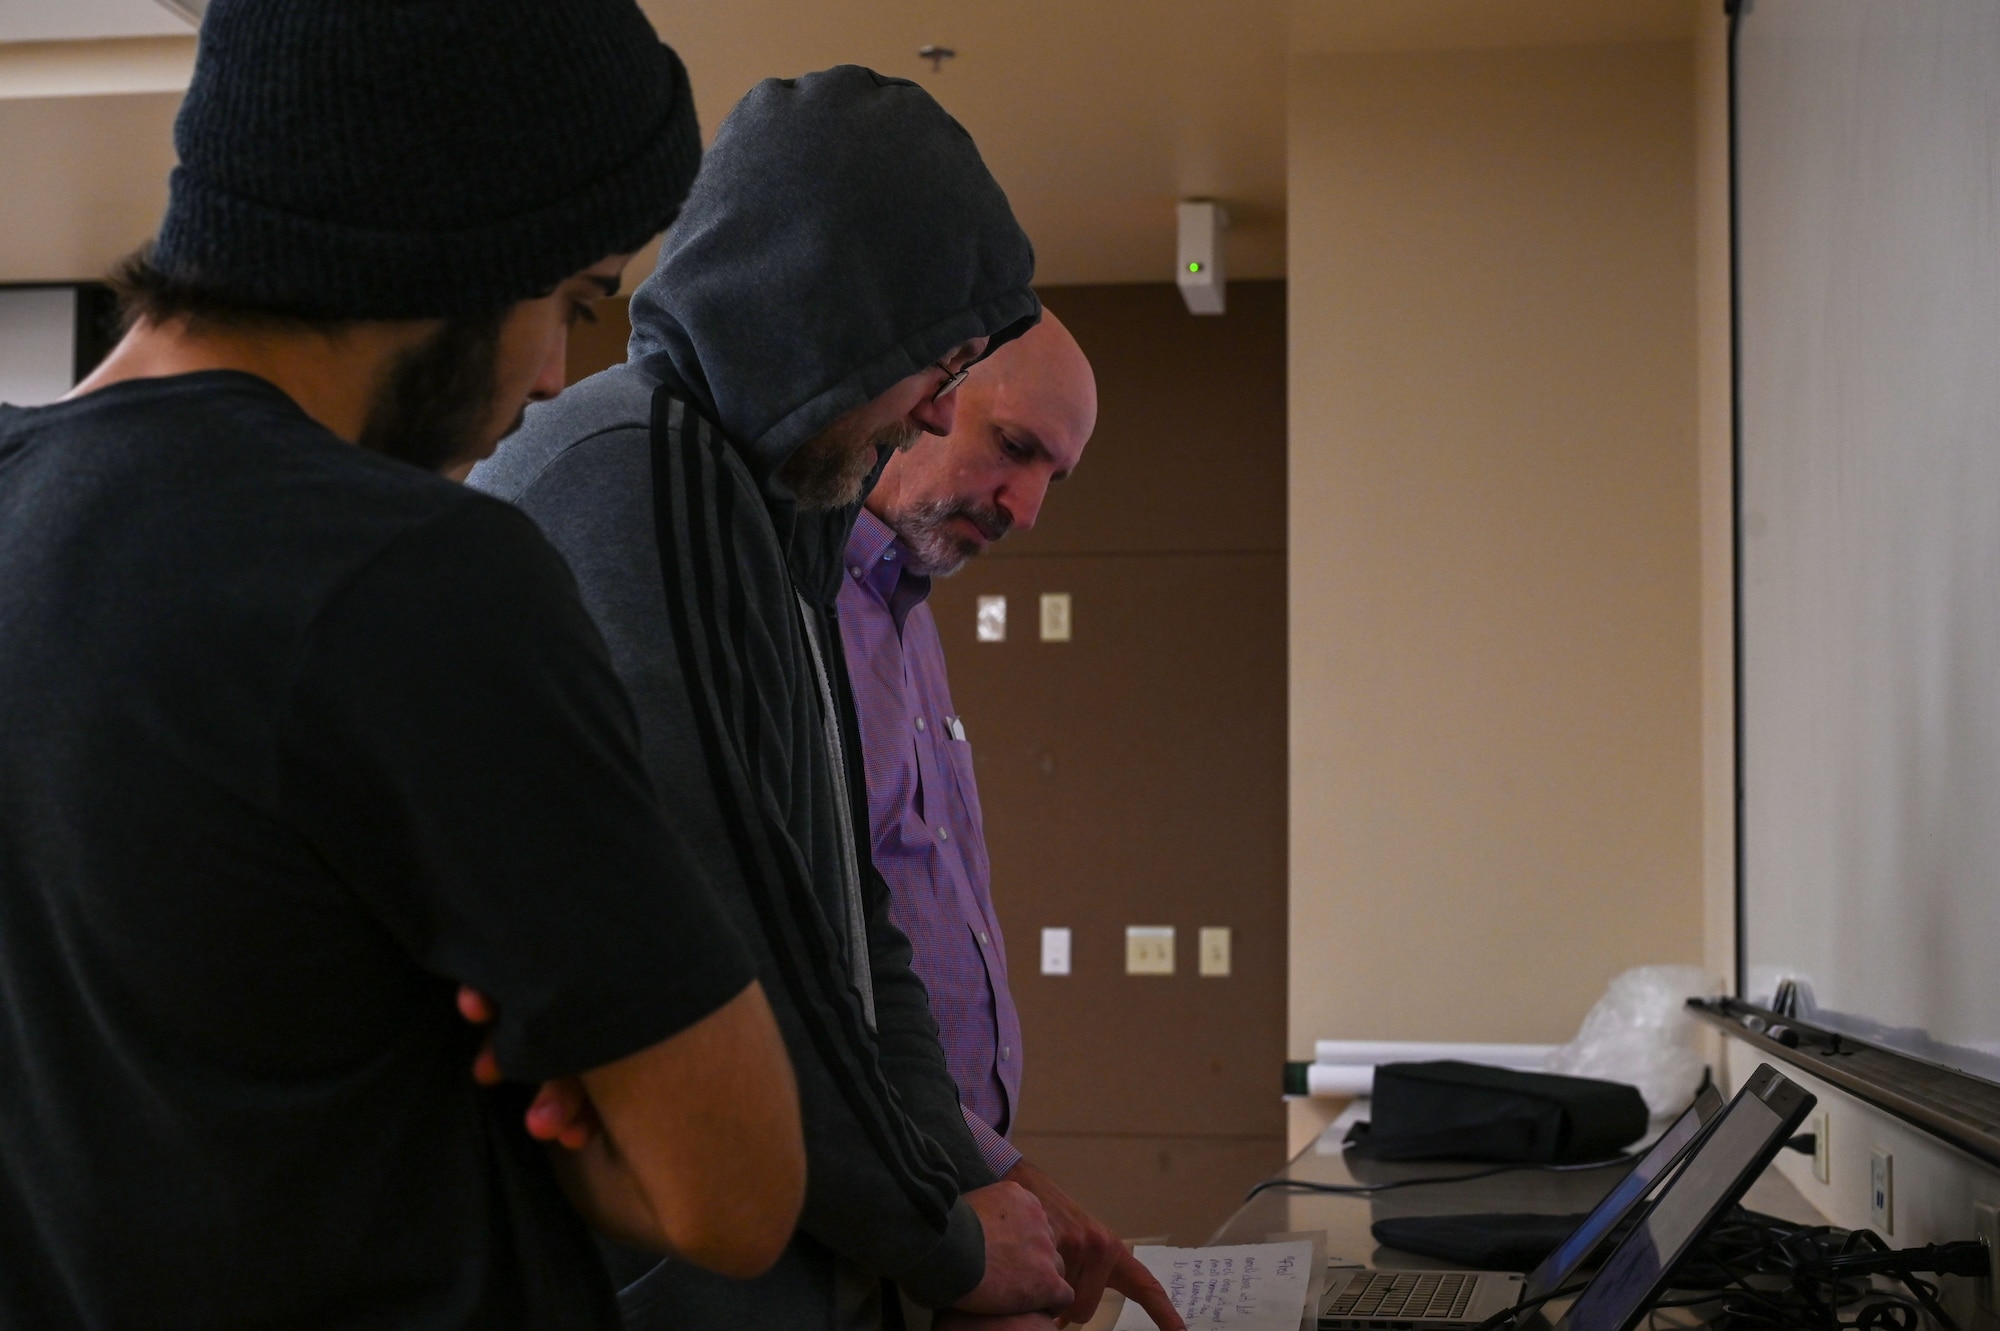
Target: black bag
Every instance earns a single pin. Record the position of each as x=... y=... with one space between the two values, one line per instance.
x=1517 y=1242
x=1463 y=1111
x=1482 y=1242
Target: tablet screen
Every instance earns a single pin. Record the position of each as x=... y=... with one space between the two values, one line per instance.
x=1719 y=1172
x=1558 y=1265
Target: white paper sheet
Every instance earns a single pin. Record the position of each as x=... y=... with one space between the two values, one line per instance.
x=1252 y=1286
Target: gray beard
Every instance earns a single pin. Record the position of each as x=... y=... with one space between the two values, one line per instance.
x=831 y=469
x=935 y=552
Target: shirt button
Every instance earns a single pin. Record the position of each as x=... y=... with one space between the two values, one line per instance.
x=944 y=834
x=984 y=941
x=1006 y=1052
x=920 y=723
x=855 y=571
x=888 y=555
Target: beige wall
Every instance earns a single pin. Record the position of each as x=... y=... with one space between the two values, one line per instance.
x=1496 y=627
x=63 y=216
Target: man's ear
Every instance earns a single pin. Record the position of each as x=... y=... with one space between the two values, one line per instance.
x=936 y=414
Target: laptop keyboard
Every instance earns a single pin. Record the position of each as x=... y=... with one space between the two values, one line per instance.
x=1393 y=1295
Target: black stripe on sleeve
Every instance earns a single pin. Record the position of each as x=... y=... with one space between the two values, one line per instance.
x=697 y=513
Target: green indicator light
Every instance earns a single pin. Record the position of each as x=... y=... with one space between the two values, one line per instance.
x=1194 y=267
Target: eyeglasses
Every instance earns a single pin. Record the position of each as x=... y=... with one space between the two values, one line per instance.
x=951 y=380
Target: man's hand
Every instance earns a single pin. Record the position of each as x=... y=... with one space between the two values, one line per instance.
x=1023 y=1271
x=1093 y=1256
x=561 y=1112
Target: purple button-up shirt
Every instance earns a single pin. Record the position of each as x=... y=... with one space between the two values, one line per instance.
x=923 y=818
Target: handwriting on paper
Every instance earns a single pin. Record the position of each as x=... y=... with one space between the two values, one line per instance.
x=1251 y=1287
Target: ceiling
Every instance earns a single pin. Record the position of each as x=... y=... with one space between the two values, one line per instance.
x=1332 y=26
x=1095 y=115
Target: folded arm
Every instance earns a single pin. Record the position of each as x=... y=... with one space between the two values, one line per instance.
x=716 y=1178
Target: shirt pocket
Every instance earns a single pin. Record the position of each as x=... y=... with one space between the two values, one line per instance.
x=965 y=791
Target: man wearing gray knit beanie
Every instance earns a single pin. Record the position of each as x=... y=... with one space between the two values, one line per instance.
x=301 y=743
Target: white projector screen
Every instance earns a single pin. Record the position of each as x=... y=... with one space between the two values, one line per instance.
x=1868 y=232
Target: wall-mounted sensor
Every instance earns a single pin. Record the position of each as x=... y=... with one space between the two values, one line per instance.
x=1201 y=277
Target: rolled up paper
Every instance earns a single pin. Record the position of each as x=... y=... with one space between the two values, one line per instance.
x=1352 y=1053
x=1330 y=1080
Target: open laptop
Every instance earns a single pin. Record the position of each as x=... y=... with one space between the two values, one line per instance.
x=1443 y=1299
x=1726 y=1158
x=1733 y=1152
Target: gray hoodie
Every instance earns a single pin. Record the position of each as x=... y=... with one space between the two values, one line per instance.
x=842 y=235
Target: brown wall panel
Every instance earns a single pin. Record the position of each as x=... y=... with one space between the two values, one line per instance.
x=600 y=345
x=1189 y=452
x=1176 y=1188
x=1135 y=775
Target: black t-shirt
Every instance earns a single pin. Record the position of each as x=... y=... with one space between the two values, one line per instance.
x=294 y=739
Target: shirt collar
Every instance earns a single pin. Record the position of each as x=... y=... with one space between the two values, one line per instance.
x=879 y=561
x=868 y=542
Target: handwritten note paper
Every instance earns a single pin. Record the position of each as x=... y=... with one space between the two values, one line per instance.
x=1253 y=1287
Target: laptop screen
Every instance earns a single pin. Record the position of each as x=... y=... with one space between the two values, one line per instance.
x=1618 y=1203
x=1750 y=1131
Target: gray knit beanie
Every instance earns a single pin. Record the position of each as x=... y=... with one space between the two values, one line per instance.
x=404 y=159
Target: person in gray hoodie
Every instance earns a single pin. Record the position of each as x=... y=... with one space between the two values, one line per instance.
x=843 y=258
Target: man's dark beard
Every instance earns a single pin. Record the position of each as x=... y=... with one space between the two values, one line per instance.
x=935 y=552
x=435 y=405
x=829 y=469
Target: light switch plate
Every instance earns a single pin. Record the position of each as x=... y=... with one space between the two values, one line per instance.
x=1149 y=949
x=1214 y=952
x=1055 y=616
x=1055 y=951
x=992 y=619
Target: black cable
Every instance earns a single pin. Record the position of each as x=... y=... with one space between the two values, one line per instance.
x=1761 y=1273
x=1967 y=1257
x=1824 y=1273
x=1905 y=1265
x=1368 y=1189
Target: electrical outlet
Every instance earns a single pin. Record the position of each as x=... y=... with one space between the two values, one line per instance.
x=1214 y=951
x=1986 y=1227
x=1881 y=1192
x=1822 y=1159
x=1149 y=949
x=1055 y=951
